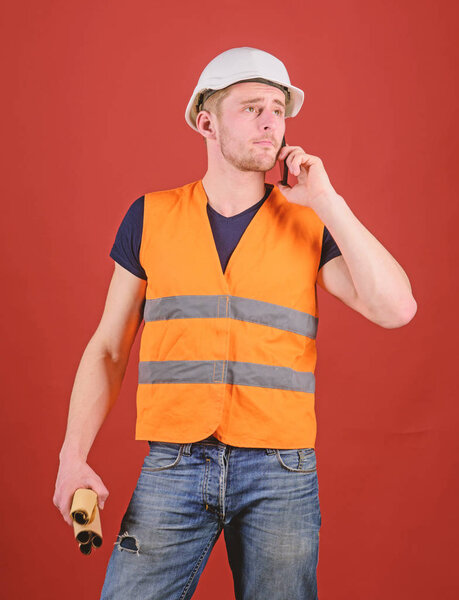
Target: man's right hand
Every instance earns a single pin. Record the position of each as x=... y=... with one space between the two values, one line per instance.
x=74 y=474
x=97 y=385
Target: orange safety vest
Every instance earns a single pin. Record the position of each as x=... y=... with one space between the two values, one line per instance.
x=231 y=354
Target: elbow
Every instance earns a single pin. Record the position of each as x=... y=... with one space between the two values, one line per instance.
x=403 y=317
x=112 y=354
x=409 y=312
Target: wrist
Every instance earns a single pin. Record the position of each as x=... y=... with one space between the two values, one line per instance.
x=72 y=453
x=325 y=205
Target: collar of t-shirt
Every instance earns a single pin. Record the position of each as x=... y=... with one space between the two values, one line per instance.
x=227 y=231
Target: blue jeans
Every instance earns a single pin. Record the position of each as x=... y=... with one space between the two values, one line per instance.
x=265 y=500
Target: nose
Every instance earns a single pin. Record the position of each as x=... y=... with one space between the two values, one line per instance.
x=267 y=120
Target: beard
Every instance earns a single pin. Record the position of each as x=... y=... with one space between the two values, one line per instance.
x=244 y=158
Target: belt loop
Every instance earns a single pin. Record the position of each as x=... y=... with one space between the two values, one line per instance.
x=187 y=449
x=270 y=450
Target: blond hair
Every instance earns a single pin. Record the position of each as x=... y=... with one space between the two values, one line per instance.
x=213 y=104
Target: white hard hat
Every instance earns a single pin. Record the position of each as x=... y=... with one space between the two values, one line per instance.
x=243 y=64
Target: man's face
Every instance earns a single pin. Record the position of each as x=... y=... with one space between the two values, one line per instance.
x=252 y=112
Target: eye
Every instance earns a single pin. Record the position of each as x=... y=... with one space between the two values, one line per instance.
x=249 y=107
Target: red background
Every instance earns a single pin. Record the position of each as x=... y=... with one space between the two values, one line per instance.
x=93 y=103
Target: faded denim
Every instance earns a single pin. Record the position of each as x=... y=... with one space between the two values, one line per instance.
x=266 y=502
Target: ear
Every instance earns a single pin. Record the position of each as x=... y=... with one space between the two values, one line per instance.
x=205 y=124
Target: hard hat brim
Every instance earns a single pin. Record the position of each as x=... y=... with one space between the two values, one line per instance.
x=292 y=106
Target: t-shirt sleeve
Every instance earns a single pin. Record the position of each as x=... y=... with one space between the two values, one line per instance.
x=126 y=247
x=329 y=248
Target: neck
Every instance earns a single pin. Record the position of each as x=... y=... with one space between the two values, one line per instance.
x=233 y=192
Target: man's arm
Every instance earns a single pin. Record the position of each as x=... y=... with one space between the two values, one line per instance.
x=366 y=277
x=97 y=384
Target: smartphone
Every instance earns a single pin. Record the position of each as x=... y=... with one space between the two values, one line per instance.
x=284 y=169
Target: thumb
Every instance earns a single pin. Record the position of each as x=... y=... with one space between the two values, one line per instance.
x=102 y=493
x=283 y=187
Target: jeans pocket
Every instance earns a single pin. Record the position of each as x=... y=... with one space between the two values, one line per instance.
x=299 y=460
x=162 y=456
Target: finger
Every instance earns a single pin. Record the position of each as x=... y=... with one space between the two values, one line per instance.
x=294 y=163
x=64 y=507
x=101 y=491
x=286 y=150
x=295 y=154
x=65 y=514
x=283 y=152
x=299 y=166
x=101 y=501
x=302 y=158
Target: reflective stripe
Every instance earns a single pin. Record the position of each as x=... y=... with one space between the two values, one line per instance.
x=233 y=307
x=221 y=371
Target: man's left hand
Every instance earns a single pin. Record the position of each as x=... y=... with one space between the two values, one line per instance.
x=313 y=182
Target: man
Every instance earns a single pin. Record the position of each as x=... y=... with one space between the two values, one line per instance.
x=223 y=271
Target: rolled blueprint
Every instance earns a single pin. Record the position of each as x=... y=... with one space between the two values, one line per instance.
x=84 y=507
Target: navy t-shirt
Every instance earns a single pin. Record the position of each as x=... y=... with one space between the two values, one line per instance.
x=227 y=232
